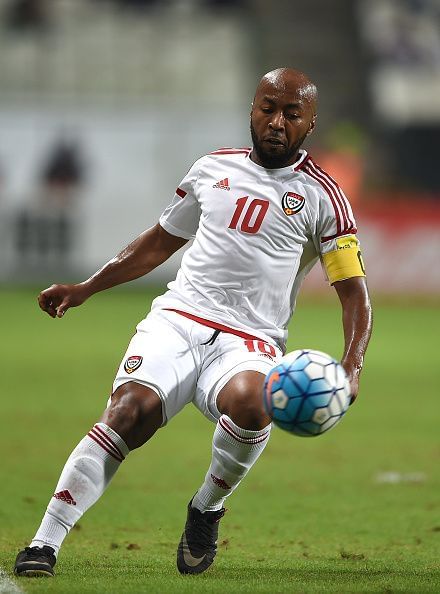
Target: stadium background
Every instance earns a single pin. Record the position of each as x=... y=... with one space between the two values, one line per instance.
x=104 y=105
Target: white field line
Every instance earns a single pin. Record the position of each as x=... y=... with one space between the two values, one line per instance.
x=7 y=586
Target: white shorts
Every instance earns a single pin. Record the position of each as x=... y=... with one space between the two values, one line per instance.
x=168 y=354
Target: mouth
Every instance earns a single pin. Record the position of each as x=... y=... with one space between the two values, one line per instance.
x=273 y=141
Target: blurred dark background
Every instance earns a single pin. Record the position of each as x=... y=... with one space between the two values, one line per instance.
x=104 y=104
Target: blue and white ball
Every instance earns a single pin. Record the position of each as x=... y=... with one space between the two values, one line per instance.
x=307 y=393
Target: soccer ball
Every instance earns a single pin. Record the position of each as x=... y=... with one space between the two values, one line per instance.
x=307 y=393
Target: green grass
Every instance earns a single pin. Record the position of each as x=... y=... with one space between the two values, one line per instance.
x=310 y=517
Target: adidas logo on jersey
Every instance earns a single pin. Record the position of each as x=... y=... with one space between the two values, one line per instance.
x=223 y=184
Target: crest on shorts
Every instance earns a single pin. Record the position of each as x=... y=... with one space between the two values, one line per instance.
x=133 y=363
x=292 y=203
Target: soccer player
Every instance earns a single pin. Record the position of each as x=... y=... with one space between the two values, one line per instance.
x=260 y=218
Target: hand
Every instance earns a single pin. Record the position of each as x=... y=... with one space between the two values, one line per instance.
x=354 y=384
x=353 y=378
x=57 y=299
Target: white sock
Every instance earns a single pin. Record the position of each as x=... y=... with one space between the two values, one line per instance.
x=234 y=452
x=85 y=476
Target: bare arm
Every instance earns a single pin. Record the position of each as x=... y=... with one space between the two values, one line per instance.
x=357 y=321
x=143 y=255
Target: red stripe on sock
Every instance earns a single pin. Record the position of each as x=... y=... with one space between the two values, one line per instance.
x=101 y=435
x=104 y=446
x=249 y=440
x=108 y=440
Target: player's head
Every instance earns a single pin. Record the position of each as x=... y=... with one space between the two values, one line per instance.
x=283 y=114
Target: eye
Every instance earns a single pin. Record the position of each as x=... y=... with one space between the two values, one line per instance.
x=266 y=109
x=292 y=116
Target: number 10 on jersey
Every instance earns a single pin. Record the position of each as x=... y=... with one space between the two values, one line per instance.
x=249 y=214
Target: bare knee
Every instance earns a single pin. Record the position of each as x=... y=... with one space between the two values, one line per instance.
x=135 y=413
x=241 y=399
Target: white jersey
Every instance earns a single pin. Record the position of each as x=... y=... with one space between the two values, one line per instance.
x=257 y=233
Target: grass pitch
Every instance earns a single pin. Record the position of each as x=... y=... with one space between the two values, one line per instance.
x=355 y=510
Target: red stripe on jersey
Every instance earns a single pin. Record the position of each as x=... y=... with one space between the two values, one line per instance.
x=233 y=148
x=351 y=231
x=342 y=200
x=229 y=153
x=232 y=151
x=330 y=194
x=301 y=163
x=215 y=325
x=181 y=192
x=334 y=188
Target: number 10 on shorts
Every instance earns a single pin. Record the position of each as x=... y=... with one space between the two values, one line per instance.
x=259 y=345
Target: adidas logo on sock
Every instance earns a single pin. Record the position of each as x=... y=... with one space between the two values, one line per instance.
x=65 y=496
x=223 y=184
x=220 y=482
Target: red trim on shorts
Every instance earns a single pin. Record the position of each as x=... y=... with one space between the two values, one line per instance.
x=215 y=325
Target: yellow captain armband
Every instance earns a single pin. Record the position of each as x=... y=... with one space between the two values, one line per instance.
x=345 y=261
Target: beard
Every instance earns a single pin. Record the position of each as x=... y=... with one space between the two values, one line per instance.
x=277 y=160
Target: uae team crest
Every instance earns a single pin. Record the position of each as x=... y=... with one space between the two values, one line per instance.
x=292 y=203
x=132 y=363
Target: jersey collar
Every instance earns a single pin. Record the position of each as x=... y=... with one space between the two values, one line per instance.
x=302 y=158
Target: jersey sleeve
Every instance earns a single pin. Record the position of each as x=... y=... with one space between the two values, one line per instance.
x=338 y=245
x=181 y=217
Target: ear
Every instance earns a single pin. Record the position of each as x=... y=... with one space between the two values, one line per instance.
x=312 y=125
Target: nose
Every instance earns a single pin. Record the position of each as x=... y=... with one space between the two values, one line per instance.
x=277 y=121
